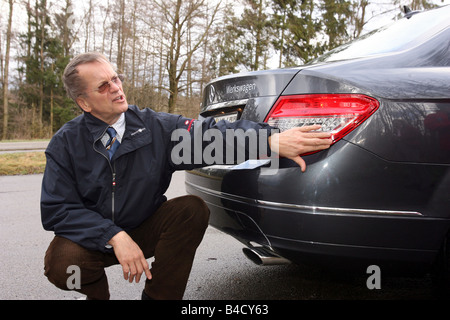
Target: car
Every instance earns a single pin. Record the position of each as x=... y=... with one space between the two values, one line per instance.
x=380 y=195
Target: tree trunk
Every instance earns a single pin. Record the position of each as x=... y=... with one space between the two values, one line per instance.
x=174 y=52
x=42 y=84
x=6 y=73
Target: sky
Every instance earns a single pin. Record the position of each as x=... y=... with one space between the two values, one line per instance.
x=20 y=18
x=377 y=6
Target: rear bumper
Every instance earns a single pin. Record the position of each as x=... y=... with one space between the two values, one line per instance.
x=317 y=217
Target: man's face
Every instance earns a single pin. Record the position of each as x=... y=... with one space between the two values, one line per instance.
x=104 y=97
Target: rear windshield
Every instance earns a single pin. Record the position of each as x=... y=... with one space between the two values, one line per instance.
x=394 y=37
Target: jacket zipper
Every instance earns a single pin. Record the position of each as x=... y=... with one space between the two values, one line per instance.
x=113 y=192
x=113 y=172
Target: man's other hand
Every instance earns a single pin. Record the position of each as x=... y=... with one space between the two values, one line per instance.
x=130 y=257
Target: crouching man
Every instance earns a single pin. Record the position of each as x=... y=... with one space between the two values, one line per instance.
x=104 y=183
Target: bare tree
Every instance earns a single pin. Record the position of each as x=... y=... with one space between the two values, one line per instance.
x=6 y=72
x=178 y=14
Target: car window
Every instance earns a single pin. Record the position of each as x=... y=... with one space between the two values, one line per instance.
x=394 y=37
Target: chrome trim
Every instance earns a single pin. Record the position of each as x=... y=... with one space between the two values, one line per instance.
x=338 y=211
x=226 y=104
x=313 y=209
x=224 y=195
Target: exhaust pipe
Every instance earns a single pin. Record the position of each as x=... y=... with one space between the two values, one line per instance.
x=264 y=257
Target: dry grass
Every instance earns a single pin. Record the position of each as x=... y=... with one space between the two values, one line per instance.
x=21 y=163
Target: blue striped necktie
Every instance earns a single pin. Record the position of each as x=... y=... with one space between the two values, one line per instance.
x=113 y=143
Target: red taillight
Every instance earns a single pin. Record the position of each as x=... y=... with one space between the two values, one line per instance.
x=336 y=113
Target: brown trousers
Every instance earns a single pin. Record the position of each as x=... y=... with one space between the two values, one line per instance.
x=171 y=235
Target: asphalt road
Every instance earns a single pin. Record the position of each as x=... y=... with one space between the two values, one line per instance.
x=220 y=270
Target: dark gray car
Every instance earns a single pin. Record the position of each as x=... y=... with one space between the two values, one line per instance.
x=381 y=194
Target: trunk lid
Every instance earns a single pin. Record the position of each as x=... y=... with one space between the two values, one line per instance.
x=245 y=95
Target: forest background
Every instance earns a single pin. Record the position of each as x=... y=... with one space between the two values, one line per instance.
x=167 y=49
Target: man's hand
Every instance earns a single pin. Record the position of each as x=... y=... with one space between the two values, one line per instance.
x=299 y=140
x=130 y=256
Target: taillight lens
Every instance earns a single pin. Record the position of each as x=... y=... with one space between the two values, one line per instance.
x=336 y=113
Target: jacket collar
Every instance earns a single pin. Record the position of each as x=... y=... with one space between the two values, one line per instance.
x=136 y=135
x=96 y=127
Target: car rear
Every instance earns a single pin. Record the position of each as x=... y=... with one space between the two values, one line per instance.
x=381 y=194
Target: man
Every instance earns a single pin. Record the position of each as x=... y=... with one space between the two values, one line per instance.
x=103 y=189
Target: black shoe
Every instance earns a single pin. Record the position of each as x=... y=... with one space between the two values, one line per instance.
x=144 y=296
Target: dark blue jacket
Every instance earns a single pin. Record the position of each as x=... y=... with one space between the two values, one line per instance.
x=88 y=199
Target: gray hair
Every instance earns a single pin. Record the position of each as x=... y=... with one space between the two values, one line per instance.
x=74 y=85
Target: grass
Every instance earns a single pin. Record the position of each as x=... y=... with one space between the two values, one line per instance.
x=22 y=163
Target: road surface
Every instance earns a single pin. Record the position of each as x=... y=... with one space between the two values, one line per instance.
x=220 y=270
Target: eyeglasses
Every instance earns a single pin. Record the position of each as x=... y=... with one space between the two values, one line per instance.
x=105 y=86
